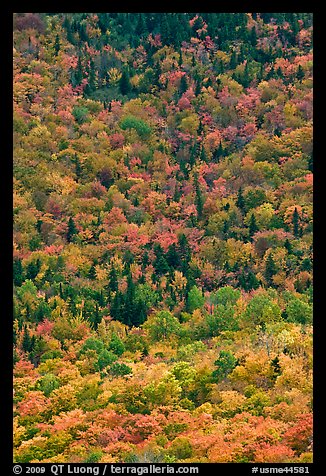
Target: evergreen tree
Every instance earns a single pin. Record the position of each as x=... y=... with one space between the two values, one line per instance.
x=91 y=79
x=124 y=83
x=27 y=342
x=173 y=257
x=198 y=87
x=101 y=299
x=288 y=246
x=70 y=35
x=253 y=37
x=78 y=168
x=233 y=60
x=270 y=270
x=129 y=307
x=160 y=264
x=198 y=198
x=184 y=252
x=248 y=281
x=218 y=153
x=57 y=45
x=18 y=272
x=140 y=313
x=72 y=230
x=252 y=281
x=226 y=227
x=141 y=28
x=300 y=74
x=78 y=76
x=296 y=223
x=82 y=32
x=183 y=85
x=253 y=228
x=145 y=260
x=96 y=317
x=180 y=61
x=245 y=80
x=113 y=280
x=92 y=271
x=33 y=269
x=203 y=156
x=225 y=363
x=240 y=200
x=116 y=307
x=311 y=162
x=277 y=370
x=165 y=29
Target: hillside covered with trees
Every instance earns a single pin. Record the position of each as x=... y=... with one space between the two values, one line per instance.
x=163 y=171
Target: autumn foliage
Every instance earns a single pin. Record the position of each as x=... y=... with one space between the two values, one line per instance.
x=162 y=262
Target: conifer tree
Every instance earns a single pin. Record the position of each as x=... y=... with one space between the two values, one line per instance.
x=253 y=37
x=57 y=45
x=113 y=280
x=253 y=228
x=79 y=72
x=18 y=272
x=233 y=60
x=160 y=264
x=27 y=341
x=296 y=223
x=270 y=270
x=183 y=85
x=240 y=200
x=72 y=230
x=300 y=73
x=198 y=198
x=124 y=83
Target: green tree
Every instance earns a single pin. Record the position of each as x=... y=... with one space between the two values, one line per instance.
x=28 y=341
x=195 y=299
x=183 y=85
x=124 y=83
x=300 y=73
x=72 y=230
x=106 y=358
x=253 y=37
x=116 y=345
x=299 y=311
x=270 y=270
x=33 y=269
x=253 y=228
x=225 y=363
x=18 y=272
x=48 y=383
x=119 y=370
x=140 y=126
x=226 y=296
x=262 y=310
x=218 y=153
x=162 y=325
x=92 y=344
x=240 y=203
x=296 y=223
x=160 y=263
x=78 y=77
x=81 y=114
x=233 y=60
x=199 y=202
x=57 y=45
x=113 y=285
x=78 y=168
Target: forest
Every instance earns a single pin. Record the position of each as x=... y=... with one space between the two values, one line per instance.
x=162 y=237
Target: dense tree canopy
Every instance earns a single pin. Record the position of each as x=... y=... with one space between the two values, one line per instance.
x=163 y=237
